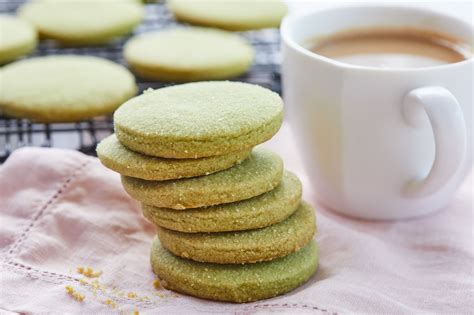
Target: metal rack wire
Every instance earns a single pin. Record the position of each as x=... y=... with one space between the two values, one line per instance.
x=84 y=135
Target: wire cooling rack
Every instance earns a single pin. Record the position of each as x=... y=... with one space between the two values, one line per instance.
x=84 y=135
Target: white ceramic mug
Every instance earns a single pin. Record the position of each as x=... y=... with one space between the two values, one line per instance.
x=378 y=143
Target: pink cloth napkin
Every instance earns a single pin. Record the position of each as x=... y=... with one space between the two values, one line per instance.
x=60 y=209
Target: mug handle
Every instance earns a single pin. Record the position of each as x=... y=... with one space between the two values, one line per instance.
x=449 y=130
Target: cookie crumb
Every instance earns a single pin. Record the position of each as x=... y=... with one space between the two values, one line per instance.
x=110 y=303
x=88 y=272
x=157 y=284
x=95 y=284
x=131 y=295
x=136 y=313
x=74 y=294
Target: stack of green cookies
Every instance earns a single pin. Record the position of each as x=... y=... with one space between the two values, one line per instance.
x=230 y=221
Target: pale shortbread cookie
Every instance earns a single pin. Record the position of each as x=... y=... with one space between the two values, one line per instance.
x=188 y=54
x=259 y=173
x=234 y=15
x=83 y=22
x=63 y=88
x=240 y=247
x=126 y=162
x=234 y=283
x=264 y=210
x=199 y=119
x=17 y=38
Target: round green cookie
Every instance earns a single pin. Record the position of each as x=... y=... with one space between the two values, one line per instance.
x=199 y=119
x=241 y=247
x=232 y=15
x=120 y=159
x=234 y=283
x=188 y=54
x=259 y=173
x=17 y=38
x=83 y=22
x=63 y=88
x=264 y=210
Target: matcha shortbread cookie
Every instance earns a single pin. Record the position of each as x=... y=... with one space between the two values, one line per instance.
x=234 y=283
x=188 y=54
x=63 y=88
x=240 y=247
x=264 y=210
x=83 y=22
x=120 y=159
x=17 y=38
x=234 y=15
x=259 y=173
x=199 y=119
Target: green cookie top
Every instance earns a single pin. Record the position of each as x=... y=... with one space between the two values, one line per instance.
x=249 y=246
x=267 y=209
x=259 y=173
x=234 y=283
x=199 y=119
x=83 y=22
x=120 y=159
x=165 y=55
x=232 y=15
x=17 y=38
x=63 y=88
